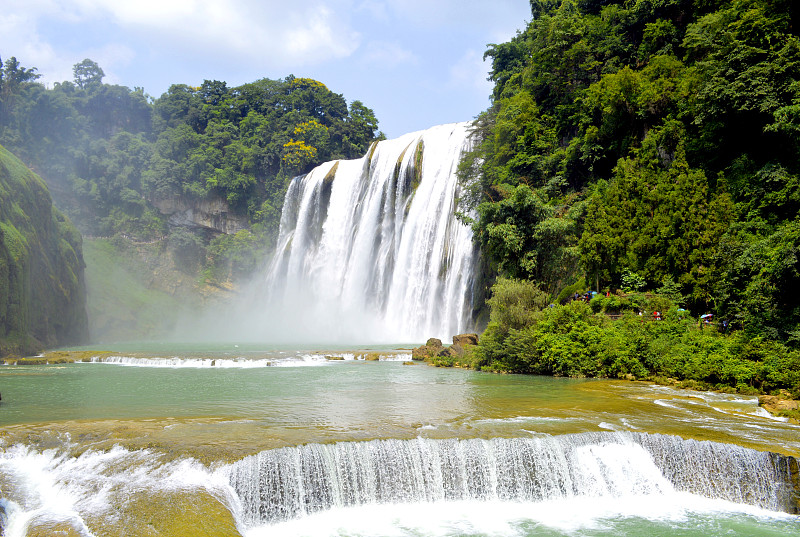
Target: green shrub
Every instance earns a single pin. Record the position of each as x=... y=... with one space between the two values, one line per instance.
x=514 y=303
x=572 y=340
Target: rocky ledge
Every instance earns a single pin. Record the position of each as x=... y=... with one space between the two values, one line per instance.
x=434 y=348
x=781 y=406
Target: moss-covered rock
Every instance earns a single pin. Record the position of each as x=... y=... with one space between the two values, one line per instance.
x=42 y=291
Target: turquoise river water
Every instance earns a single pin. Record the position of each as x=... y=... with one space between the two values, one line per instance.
x=250 y=442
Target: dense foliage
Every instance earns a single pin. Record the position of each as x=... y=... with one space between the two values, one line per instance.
x=112 y=155
x=623 y=337
x=42 y=295
x=658 y=140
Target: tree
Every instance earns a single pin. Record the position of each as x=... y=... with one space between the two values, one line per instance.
x=656 y=220
x=12 y=78
x=16 y=74
x=87 y=74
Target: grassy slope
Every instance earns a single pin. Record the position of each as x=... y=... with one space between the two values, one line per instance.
x=136 y=291
x=119 y=302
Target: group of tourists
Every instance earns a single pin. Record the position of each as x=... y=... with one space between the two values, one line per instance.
x=585 y=297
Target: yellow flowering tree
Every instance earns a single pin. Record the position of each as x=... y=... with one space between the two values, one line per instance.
x=303 y=147
x=297 y=154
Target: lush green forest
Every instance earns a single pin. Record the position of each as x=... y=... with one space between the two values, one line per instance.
x=645 y=146
x=119 y=162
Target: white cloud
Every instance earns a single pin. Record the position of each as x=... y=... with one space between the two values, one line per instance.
x=267 y=34
x=387 y=55
x=377 y=9
x=274 y=33
x=489 y=16
x=17 y=39
x=319 y=35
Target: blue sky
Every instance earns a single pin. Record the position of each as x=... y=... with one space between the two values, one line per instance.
x=417 y=63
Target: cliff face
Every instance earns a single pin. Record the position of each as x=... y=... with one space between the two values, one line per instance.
x=212 y=213
x=42 y=291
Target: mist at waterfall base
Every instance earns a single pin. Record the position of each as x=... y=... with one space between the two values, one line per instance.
x=369 y=251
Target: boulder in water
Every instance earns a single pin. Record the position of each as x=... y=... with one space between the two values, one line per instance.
x=432 y=348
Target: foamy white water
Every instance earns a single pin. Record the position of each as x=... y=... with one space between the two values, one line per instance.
x=294 y=483
x=679 y=514
x=371 y=249
x=56 y=487
x=285 y=360
x=595 y=483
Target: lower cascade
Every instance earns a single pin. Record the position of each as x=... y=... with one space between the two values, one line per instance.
x=289 y=483
x=122 y=492
x=374 y=246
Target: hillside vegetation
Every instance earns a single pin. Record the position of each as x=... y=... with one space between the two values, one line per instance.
x=190 y=167
x=42 y=294
x=186 y=188
x=652 y=146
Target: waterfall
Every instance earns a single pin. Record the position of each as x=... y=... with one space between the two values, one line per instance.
x=294 y=482
x=371 y=249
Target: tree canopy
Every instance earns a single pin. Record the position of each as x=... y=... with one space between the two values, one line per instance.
x=109 y=153
x=655 y=139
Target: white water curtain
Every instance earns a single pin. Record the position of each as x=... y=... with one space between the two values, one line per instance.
x=371 y=249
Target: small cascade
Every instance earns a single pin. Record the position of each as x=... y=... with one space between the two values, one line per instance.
x=289 y=483
x=371 y=249
x=59 y=491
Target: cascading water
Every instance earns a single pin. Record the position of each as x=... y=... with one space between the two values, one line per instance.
x=290 y=483
x=372 y=250
x=124 y=492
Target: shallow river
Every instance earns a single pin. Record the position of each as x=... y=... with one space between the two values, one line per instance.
x=189 y=444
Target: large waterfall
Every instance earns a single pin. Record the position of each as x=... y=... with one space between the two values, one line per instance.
x=371 y=249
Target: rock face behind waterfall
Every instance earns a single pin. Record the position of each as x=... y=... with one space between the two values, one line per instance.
x=372 y=249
